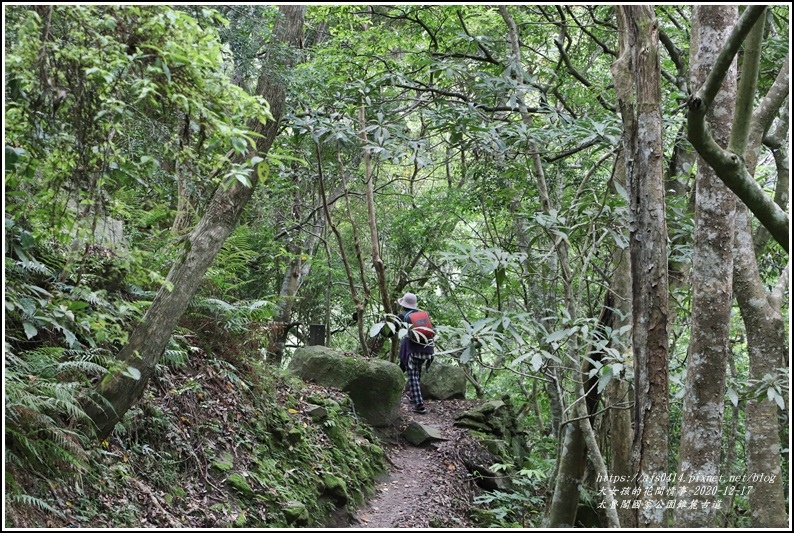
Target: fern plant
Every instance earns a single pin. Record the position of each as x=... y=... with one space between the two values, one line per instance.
x=235 y=318
x=44 y=420
x=231 y=270
x=43 y=395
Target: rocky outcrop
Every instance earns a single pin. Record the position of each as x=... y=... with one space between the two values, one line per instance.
x=443 y=382
x=494 y=424
x=374 y=385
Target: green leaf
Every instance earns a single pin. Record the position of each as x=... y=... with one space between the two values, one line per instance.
x=733 y=396
x=239 y=144
x=166 y=71
x=467 y=354
x=243 y=179
x=133 y=373
x=558 y=335
x=375 y=329
x=604 y=380
x=621 y=190
x=774 y=396
x=30 y=330
x=262 y=171
x=71 y=339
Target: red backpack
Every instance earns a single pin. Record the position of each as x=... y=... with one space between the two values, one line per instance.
x=420 y=327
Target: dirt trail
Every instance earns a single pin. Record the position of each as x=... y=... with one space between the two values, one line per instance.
x=427 y=486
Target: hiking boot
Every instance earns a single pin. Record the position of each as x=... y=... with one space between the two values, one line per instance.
x=419 y=409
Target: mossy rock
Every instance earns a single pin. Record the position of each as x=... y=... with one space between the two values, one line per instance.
x=224 y=463
x=497 y=447
x=377 y=451
x=296 y=513
x=317 y=412
x=294 y=436
x=336 y=488
x=374 y=385
x=472 y=424
x=443 y=382
x=417 y=433
x=238 y=482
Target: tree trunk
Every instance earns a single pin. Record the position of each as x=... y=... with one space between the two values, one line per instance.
x=297 y=271
x=377 y=262
x=768 y=346
x=636 y=74
x=342 y=253
x=184 y=206
x=118 y=392
x=765 y=326
x=777 y=143
x=712 y=278
x=571 y=464
x=618 y=417
x=361 y=305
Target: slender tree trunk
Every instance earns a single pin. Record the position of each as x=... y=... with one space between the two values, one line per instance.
x=570 y=469
x=765 y=325
x=571 y=454
x=636 y=74
x=361 y=305
x=296 y=272
x=118 y=392
x=712 y=278
x=184 y=206
x=377 y=262
x=597 y=460
x=340 y=241
x=777 y=143
x=768 y=346
x=767 y=340
x=618 y=394
x=731 y=443
x=552 y=386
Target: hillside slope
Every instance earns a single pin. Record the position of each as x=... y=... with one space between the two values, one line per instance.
x=214 y=443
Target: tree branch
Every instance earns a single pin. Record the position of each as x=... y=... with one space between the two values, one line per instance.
x=730 y=167
x=675 y=57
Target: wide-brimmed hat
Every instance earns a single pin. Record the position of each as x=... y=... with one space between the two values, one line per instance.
x=408 y=301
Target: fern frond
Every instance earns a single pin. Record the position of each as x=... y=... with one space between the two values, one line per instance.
x=175 y=358
x=216 y=304
x=29 y=453
x=259 y=304
x=33 y=266
x=32 y=501
x=229 y=371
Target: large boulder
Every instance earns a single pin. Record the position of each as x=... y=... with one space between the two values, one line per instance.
x=443 y=382
x=374 y=385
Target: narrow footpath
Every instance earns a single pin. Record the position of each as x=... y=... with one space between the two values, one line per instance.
x=427 y=486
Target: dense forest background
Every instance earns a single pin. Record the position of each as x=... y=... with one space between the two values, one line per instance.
x=591 y=202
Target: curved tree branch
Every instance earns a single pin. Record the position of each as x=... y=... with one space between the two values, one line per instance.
x=729 y=166
x=705 y=96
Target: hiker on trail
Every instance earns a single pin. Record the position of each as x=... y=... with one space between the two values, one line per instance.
x=416 y=348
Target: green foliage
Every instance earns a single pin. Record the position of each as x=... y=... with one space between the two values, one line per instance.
x=113 y=67
x=43 y=391
x=521 y=506
x=280 y=454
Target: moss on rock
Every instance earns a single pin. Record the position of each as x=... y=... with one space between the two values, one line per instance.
x=238 y=482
